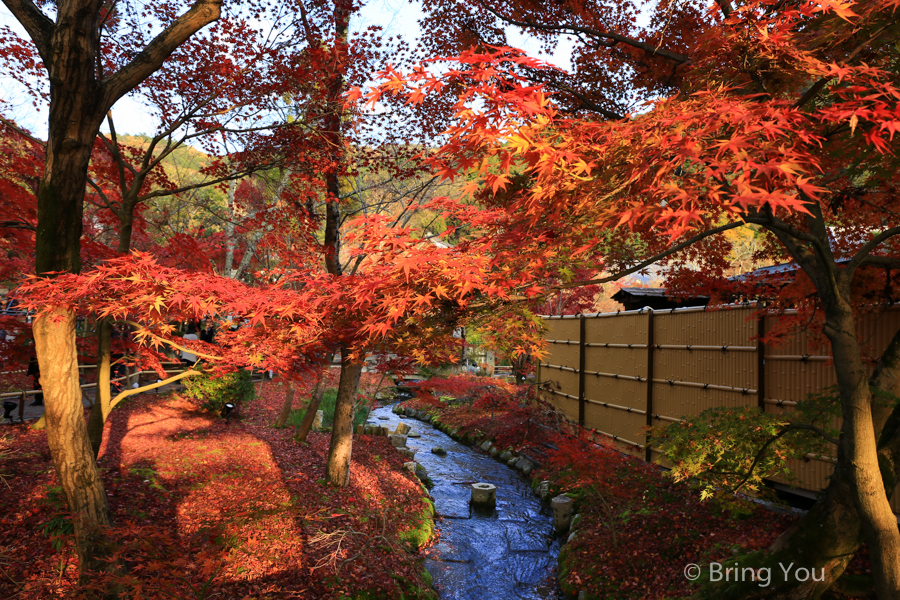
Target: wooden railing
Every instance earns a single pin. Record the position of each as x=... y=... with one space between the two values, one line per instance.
x=129 y=378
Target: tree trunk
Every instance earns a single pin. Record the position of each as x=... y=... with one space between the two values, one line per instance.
x=227 y=269
x=337 y=470
x=281 y=421
x=100 y=409
x=54 y=335
x=73 y=125
x=859 y=446
x=80 y=96
x=829 y=535
x=314 y=402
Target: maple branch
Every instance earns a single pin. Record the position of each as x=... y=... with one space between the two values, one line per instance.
x=151 y=58
x=862 y=254
x=615 y=37
x=881 y=261
x=646 y=263
x=152 y=386
x=815 y=220
x=24 y=133
x=169 y=342
x=777 y=225
x=586 y=102
x=819 y=270
x=17 y=225
x=821 y=83
x=186 y=188
x=775 y=438
x=106 y=201
x=113 y=146
x=38 y=25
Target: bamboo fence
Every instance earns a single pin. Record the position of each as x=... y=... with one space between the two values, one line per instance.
x=619 y=373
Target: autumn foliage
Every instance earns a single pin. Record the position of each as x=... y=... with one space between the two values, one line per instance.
x=204 y=507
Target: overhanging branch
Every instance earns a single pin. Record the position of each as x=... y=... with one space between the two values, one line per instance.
x=646 y=263
x=152 y=386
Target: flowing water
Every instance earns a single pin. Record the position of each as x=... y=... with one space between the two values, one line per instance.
x=503 y=553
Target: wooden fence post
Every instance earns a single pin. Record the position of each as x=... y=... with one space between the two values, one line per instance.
x=648 y=453
x=761 y=360
x=581 y=367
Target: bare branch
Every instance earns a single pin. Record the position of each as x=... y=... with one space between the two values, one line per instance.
x=151 y=58
x=863 y=253
x=607 y=35
x=36 y=23
x=12 y=125
x=646 y=263
x=17 y=225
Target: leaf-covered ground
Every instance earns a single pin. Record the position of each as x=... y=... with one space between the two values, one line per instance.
x=209 y=509
x=639 y=529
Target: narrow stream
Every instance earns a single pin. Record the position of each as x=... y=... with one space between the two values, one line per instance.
x=505 y=553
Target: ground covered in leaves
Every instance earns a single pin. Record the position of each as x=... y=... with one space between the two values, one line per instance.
x=205 y=509
x=638 y=529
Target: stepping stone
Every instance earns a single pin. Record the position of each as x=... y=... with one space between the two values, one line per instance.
x=413 y=433
x=439 y=451
x=384 y=418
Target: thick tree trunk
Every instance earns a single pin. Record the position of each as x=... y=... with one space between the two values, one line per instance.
x=314 y=402
x=54 y=336
x=100 y=409
x=73 y=126
x=80 y=96
x=860 y=449
x=337 y=470
x=281 y=421
x=829 y=535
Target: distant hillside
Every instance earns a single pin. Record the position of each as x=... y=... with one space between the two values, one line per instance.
x=183 y=164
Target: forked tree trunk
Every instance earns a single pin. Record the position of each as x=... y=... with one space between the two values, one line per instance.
x=286 y=408
x=100 y=409
x=860 y=448
x=830 y=534
x=337 y=470
x=315 y=400
x=54 y=336
x=69 y=45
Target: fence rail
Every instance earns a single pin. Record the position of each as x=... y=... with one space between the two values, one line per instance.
x=129 y=378
x=620 y=373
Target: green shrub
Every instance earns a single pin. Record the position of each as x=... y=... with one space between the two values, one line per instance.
x=59 y=526
x=211 y=393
